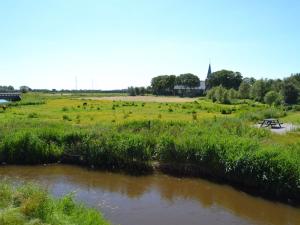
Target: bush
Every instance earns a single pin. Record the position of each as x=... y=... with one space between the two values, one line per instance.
x=273 y=98
x=296 y=108
x=66 y=117
x=220 y=94
x=32 y=115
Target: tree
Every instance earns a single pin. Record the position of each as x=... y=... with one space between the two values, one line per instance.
x=25 y=89
x=131 y=91
x=249 y=80
x=188 y=80
x=228 y=79
x=232 y=93
x=290 y=92
x=137 y=90
x=258 y=90
x=274 y=85
x=244 y=90
x=219 y=94
x=142 y=90
x=6 y=88
x=211 y=94
x=149 y=90
x=273 y=98
x=163 y=85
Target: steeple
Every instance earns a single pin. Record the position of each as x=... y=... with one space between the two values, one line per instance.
x=209 y=71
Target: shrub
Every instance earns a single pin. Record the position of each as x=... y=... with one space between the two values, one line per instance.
x=194 y=116
x=296 y=108
x=33 y=115
x=220 y=94
x=273 y=98
x=64 y=109
x=66 y=117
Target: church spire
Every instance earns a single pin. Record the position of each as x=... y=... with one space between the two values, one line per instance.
x=209 y=71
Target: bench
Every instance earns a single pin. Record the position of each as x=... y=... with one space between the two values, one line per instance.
x=274 y=123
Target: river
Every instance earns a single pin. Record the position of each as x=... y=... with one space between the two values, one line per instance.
x=156 y=199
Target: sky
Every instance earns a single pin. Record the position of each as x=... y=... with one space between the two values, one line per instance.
x=114 y=44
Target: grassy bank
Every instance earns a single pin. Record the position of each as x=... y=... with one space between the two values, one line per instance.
x=226 y=149
x=31 y=205
x=198 y=137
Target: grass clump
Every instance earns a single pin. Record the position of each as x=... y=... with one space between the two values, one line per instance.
x=29 y=148
x=66 y=117
x=29 y=204
x=33 y=115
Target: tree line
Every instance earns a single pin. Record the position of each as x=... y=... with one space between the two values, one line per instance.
x=224 y=86
x=165 y=85
x=9 y=88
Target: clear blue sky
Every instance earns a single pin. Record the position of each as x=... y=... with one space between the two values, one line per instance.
x=116 y=43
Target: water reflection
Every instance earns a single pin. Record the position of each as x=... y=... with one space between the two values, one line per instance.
x=157 y=199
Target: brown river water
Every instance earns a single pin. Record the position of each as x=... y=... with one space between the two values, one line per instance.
x=156 y=199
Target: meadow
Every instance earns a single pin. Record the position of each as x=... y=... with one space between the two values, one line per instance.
x=193 y=138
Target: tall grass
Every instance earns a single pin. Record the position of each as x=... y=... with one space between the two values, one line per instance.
x=31 y=205
x=261 y=114
x=227 y=149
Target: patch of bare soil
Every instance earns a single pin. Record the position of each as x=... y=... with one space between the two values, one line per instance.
x=143 y=99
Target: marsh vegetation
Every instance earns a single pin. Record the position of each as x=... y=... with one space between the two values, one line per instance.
x=215 y=140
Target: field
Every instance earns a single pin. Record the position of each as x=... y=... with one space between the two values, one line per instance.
x=198 y=137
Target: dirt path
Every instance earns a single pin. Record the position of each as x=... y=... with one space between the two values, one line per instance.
x=144 y=99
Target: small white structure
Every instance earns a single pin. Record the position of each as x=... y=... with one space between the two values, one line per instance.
x=190 y=91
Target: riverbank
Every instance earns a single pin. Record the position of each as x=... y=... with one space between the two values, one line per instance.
x=154 y=199
x=226 y=149
x=31 y=205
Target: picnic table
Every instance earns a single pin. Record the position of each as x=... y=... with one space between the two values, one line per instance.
x=274 y=123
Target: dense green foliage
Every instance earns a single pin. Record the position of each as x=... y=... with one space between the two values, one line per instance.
x=164 y=85
x=290 y=92
x=244 y=90
x=258 y=90
x=287 y=90
x=273 y=98
x=188 y=80
x=6 y=88
x=226 y=78
x=221 y=94
x=31 y=205
x=133 y=91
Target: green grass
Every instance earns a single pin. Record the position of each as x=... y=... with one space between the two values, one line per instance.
x=31 y=205
x=218 y=139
